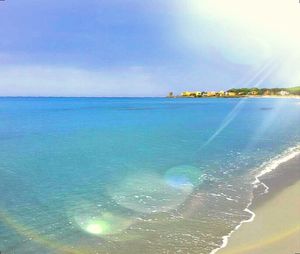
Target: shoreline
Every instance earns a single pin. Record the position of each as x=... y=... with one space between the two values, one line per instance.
x=275 y=230
x=238 y=97
x=275 y=96
x=274 y=177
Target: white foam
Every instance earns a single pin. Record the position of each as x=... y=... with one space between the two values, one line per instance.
x=266 y=168
x=225 y=238
x=275 y=162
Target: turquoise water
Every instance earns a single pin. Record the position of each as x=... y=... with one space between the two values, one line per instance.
x=132 y=175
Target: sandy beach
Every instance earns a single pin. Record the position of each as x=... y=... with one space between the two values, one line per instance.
x=276 y=226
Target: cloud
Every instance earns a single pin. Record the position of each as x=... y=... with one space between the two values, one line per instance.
x=66 y=81
x=193 y=44
x=244 y=32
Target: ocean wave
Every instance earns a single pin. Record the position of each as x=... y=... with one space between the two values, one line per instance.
x=265 y=168
x=272 y=164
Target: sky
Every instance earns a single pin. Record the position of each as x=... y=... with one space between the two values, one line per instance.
x=146 y=48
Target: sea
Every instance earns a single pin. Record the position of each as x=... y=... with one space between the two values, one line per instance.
x=135 y=175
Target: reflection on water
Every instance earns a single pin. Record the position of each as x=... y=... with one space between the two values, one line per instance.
x=184 y=177
x=103 y=224
x=142 y=194
x=150 y=193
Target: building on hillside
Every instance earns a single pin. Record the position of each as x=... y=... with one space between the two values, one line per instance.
x=211 y=94
x=254 y=92
x=221 y=93
x=283 y=93
x=186 y=94
x=191 y=94
x=230 y=94
x=198 y=94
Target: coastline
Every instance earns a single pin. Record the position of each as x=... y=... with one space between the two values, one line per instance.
x=239 y=97
x=275 y=189
x=275 y=96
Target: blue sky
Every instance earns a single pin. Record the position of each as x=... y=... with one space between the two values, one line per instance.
x=143 y=48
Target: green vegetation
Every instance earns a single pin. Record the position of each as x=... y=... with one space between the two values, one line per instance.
x=240 y=92
x=265 y=91
x=294 y=90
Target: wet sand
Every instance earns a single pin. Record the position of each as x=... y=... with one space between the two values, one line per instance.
x=276 y=226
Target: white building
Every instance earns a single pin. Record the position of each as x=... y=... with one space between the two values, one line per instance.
x=283 y=93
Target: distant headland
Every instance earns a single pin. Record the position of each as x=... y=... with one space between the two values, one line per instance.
x=241 y=92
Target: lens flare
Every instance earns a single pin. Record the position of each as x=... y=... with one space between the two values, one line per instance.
x=95 y=228
x=184 y=177
x=104 y=224
x=149 y=193
x=99 y=220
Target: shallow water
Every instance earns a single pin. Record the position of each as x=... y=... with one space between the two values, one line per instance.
x=138 y=175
